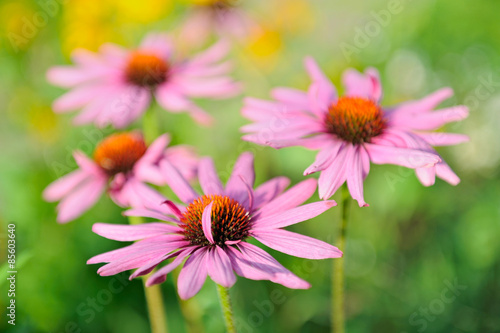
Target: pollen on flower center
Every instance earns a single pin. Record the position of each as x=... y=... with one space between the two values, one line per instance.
x=355 y=119
x=146 y=70
x=230 y=220
x=119 y=152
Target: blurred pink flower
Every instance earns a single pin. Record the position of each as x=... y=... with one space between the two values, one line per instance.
x=115 y=86
x=353 y=130
x=221 y=17
x=211 y=230
x=125 y=162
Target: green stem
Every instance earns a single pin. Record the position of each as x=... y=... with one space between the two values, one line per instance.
x=150 y=126
x=154 y=298
x=227 y=309
x=338 y=309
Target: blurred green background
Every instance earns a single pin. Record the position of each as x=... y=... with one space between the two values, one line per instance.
x=403 y=252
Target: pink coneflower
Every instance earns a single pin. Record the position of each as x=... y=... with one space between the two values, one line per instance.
x=353 y=130
x=222 y=17
x=125 y=163
x=211 y=230
x=115 y=86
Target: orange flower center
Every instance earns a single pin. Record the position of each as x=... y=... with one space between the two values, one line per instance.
x=230 y=220
x=146 y=70
x=355 y=119
x=119 y=152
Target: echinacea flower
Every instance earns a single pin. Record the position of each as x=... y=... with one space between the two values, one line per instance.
x=115 y=86
x=353 y=130
x=212 y=229
x=122 y=163
x=221 y=17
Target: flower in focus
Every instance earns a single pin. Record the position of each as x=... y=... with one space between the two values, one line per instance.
x=115 y=86
x=222 y=17
x=353 y=130
x=211 y=230
x=122 y=163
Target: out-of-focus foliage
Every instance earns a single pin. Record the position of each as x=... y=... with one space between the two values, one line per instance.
x=404 y=251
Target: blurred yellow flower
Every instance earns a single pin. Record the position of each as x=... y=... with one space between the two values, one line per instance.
x=43 y=122
x=264 y=46
x=89 y=24
x=15 y=20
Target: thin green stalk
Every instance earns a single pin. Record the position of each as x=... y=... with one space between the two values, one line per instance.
x=227 y=308
x=150 y=125
x=154 y=298
x=338 y=285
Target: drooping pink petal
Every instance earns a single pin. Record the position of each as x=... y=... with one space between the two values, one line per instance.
x=444 y=172
x=296 y=245
x=185 y=159
x=154 y=151
x=432 y=120
x=81 y=199
x=206 y=222
x=219 y=267
x=132 y=232
x=293 y=197
x=217 y=87
x=291 y=96
x=335 y=175
x=321 y=95
x=209 y=180
x=163 y=242
x=177 y=183
x=285 y=217
x=269 y=190
x=86 y=164
x=139 y=258
x=76 y=98
x=425 y=104
x=93 y=109
x=410 y=158
x=68 y=76
x=256 y=264
x=314 y=70
x=133 y=261
x=443 y=139
x=211 y=55
x=125 y=106
x=193 y=274
x=235 y=188
x=355 y=176
x=142 y=212
x=365 y=85
x=427 y=176
x=171 y=99
x=64 y=185
x=325 y=157
x=160 y=275
x=147 y=268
